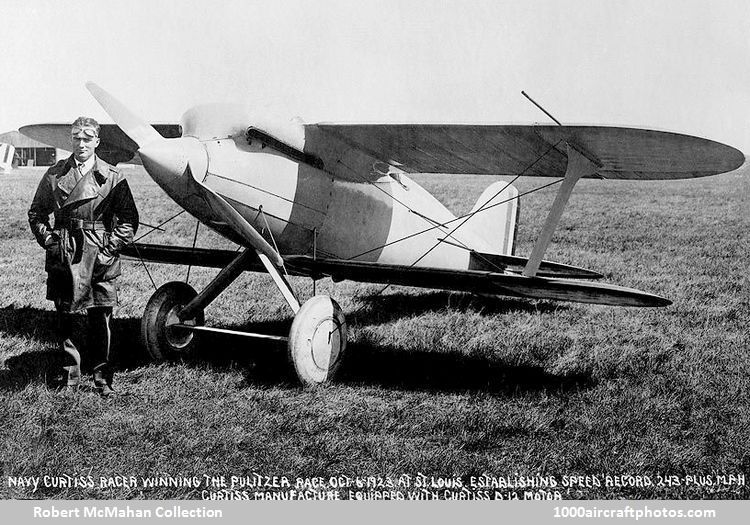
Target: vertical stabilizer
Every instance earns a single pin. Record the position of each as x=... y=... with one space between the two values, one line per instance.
x=495 y=216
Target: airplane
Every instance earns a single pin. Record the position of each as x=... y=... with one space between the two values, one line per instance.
x=336 y=200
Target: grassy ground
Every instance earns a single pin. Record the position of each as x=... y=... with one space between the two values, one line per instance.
x=439 y=384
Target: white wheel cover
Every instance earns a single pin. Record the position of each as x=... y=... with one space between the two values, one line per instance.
x=317 y=340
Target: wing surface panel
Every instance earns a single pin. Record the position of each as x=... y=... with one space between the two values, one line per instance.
x=621 y=153
x=205 y=257
x=352 y=150
x=114 y=147
x=474 y=281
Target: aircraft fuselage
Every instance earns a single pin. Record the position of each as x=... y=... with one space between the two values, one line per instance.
x=307 y=211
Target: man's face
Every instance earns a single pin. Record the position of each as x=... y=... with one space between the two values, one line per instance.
x=84 y=142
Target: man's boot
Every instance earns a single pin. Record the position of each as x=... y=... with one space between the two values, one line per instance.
x=72 y=363
x=99 y=341
x=100 y=381
x=74 y=378
x=73 y=373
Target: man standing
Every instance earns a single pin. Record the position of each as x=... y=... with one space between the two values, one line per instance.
x=95 y=216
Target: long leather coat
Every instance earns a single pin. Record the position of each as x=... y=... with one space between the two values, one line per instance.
x=94 y=218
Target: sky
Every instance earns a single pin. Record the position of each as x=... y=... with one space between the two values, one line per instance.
x=672 y=65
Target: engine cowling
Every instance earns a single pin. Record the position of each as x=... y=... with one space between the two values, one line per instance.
x=218 y=121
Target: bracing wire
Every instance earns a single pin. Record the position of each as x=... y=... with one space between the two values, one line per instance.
x=465 y=218
x=153 y=229
x=144 y=266
x=273 y=240
x=484 y=206
x=195 y=239
x=379 y=292
x=267 y=192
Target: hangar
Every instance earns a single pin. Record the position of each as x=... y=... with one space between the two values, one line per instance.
x=29 y=152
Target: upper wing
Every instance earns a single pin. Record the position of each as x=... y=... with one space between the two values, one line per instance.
x=359 y=151
x=475 y=281
x=114 y=146
x=620 y=153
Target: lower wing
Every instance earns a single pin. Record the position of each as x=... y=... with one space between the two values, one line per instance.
x=474 y=281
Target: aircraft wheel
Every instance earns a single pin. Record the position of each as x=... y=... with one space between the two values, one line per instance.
x=317 y=340
x=163 y=342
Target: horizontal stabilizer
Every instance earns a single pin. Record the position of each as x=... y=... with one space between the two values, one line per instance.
x=491 y=262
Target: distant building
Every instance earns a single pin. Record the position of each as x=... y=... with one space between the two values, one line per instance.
x=29 y=152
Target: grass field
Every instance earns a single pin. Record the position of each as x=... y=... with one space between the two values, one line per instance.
x=439 y=384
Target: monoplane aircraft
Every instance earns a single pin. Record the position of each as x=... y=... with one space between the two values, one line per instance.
x=336 y=200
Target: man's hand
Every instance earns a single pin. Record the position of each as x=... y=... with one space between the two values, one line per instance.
x=52 y=244
x=51 y=239
x=109 y=251
x=106 y=256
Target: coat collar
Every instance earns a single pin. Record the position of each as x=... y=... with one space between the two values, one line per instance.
x=101 y=167
x=88 y=187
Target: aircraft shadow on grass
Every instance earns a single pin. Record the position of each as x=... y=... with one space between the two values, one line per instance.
x=266 y=363
x=379 y=309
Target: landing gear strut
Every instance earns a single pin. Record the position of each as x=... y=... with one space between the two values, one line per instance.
x=317 y=340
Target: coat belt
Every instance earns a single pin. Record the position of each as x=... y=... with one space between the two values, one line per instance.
x=79 y=224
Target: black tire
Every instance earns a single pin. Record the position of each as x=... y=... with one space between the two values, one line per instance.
x=161 y=342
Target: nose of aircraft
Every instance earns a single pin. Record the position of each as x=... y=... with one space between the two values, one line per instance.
x=168 y=160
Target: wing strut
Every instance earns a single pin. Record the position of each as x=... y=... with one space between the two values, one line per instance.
x=223 y=279
x=267 y=254
x=227 y=276
x=281 y=282
x=578 y=166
